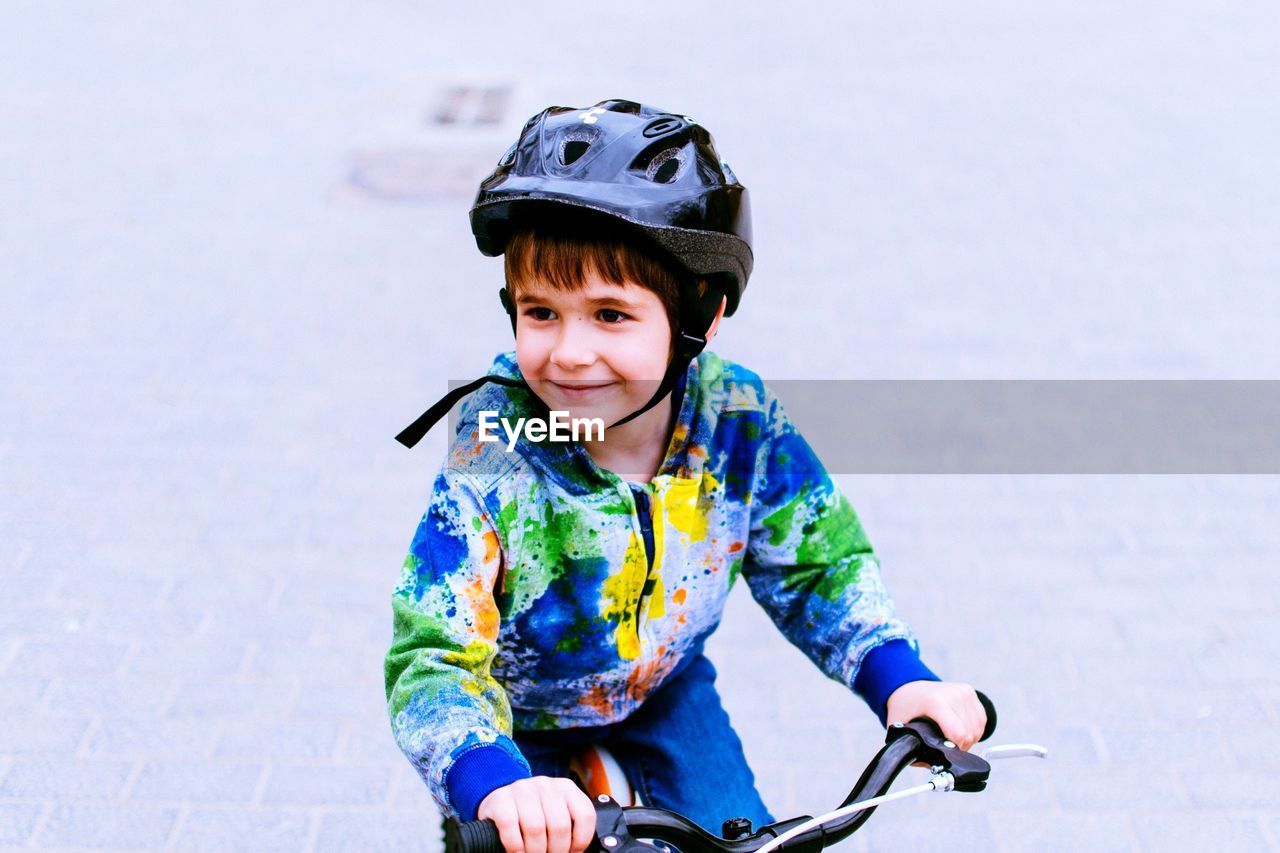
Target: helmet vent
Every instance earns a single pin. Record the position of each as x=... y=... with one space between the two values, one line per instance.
x=574 y=144
x=662 y=126
x=666 y=167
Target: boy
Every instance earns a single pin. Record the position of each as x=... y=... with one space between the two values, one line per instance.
x=559 y=593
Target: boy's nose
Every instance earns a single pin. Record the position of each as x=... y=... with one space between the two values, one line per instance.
x=573 y=347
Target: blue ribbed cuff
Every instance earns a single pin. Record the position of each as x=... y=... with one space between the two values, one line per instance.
x=886 y=668
x=477 y=773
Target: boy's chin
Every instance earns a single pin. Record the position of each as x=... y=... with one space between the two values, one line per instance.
x=608 y=411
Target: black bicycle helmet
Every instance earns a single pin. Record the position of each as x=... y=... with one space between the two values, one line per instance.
x=656 y=171
x=655 y=174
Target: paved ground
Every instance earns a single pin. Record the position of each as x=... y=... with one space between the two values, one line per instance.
x=236 y=261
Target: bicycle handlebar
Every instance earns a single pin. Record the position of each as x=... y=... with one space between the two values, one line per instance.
x=905 y=744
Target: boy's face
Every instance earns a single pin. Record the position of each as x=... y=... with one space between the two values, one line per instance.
x=599 y=351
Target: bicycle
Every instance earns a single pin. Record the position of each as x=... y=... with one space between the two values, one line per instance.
x=624 y=829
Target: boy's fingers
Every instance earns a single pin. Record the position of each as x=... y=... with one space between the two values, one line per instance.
x=583 y=814
x=971 y=711
x=533 y=825
x=503 y=813
x=953 y=728
x=979 y=720
x=555 y=811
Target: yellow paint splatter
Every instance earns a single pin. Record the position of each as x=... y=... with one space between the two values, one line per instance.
x=622 y=598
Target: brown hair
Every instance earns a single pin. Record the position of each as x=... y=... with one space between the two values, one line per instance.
x=561 y=252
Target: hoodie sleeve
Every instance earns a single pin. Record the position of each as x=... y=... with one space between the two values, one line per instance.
x=811 y=568
x=449 y=715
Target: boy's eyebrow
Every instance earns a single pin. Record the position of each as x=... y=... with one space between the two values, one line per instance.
x=612 y=302
x=600 y=302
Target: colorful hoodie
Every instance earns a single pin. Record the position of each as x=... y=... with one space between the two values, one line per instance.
x=544 y=592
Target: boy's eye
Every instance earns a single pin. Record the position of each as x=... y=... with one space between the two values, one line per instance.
x=539 y=312
x=608 y=315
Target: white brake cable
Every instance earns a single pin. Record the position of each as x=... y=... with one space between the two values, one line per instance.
x=942 y=781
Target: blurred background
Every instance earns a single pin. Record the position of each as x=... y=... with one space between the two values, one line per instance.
x=235 y=260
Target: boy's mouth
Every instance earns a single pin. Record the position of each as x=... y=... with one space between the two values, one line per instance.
x=579 y=391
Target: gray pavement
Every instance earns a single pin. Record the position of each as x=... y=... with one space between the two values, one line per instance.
x=236 y=261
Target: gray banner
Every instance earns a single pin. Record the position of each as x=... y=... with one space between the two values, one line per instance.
x=1039 y=426
x=1036 y=426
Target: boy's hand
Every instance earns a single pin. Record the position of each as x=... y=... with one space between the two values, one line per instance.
x=953 y=706
x=541 y=815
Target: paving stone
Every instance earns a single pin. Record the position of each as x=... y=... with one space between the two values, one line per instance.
x=299 y=784
x=189 y=660
x=324 y=665
x=65 y=778
x=1037 y=831
x=1171 y=747
x=342 y=701
x=252 y=739
x=409 y=791
x=116 y=585
x=1218 y=788
x=369 y=742
x=233 y=829
x=1206 y=706
x=218 y=698
x=222 y=590
x=1117 y=787
x=1123 y=704
x=27 y=734
x=18 y=821
x=189 y=739
x=149 y=623
x=341 y=830
x=207 y=782
x=72 y=656
x=21 y=695
x=122 y=697
x=89 y=826
x=44 y=620
x=956 y=832
x=1202 y=831
x=1236 y=667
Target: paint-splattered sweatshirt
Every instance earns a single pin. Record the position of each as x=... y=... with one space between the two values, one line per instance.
x=543 y=592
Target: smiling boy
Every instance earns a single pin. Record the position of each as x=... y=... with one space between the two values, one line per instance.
x=560 y=593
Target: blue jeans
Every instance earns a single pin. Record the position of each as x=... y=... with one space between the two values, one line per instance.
x=677 y=749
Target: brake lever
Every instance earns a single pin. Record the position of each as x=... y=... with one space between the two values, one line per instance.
x=969 y=771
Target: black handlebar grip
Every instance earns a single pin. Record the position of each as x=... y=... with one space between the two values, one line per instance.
x=991 y=715
x=477 y=836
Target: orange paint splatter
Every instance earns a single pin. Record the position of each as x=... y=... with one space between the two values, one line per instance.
x=645 y=676
x=481 y=600
x=599 y=700
x=680 y=595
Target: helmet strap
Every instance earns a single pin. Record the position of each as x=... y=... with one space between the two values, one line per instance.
x=508 y=305
x=414 y=432
x=696 y=316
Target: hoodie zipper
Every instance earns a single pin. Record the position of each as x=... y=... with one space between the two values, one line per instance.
x=644 y=513
x=644 y=510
